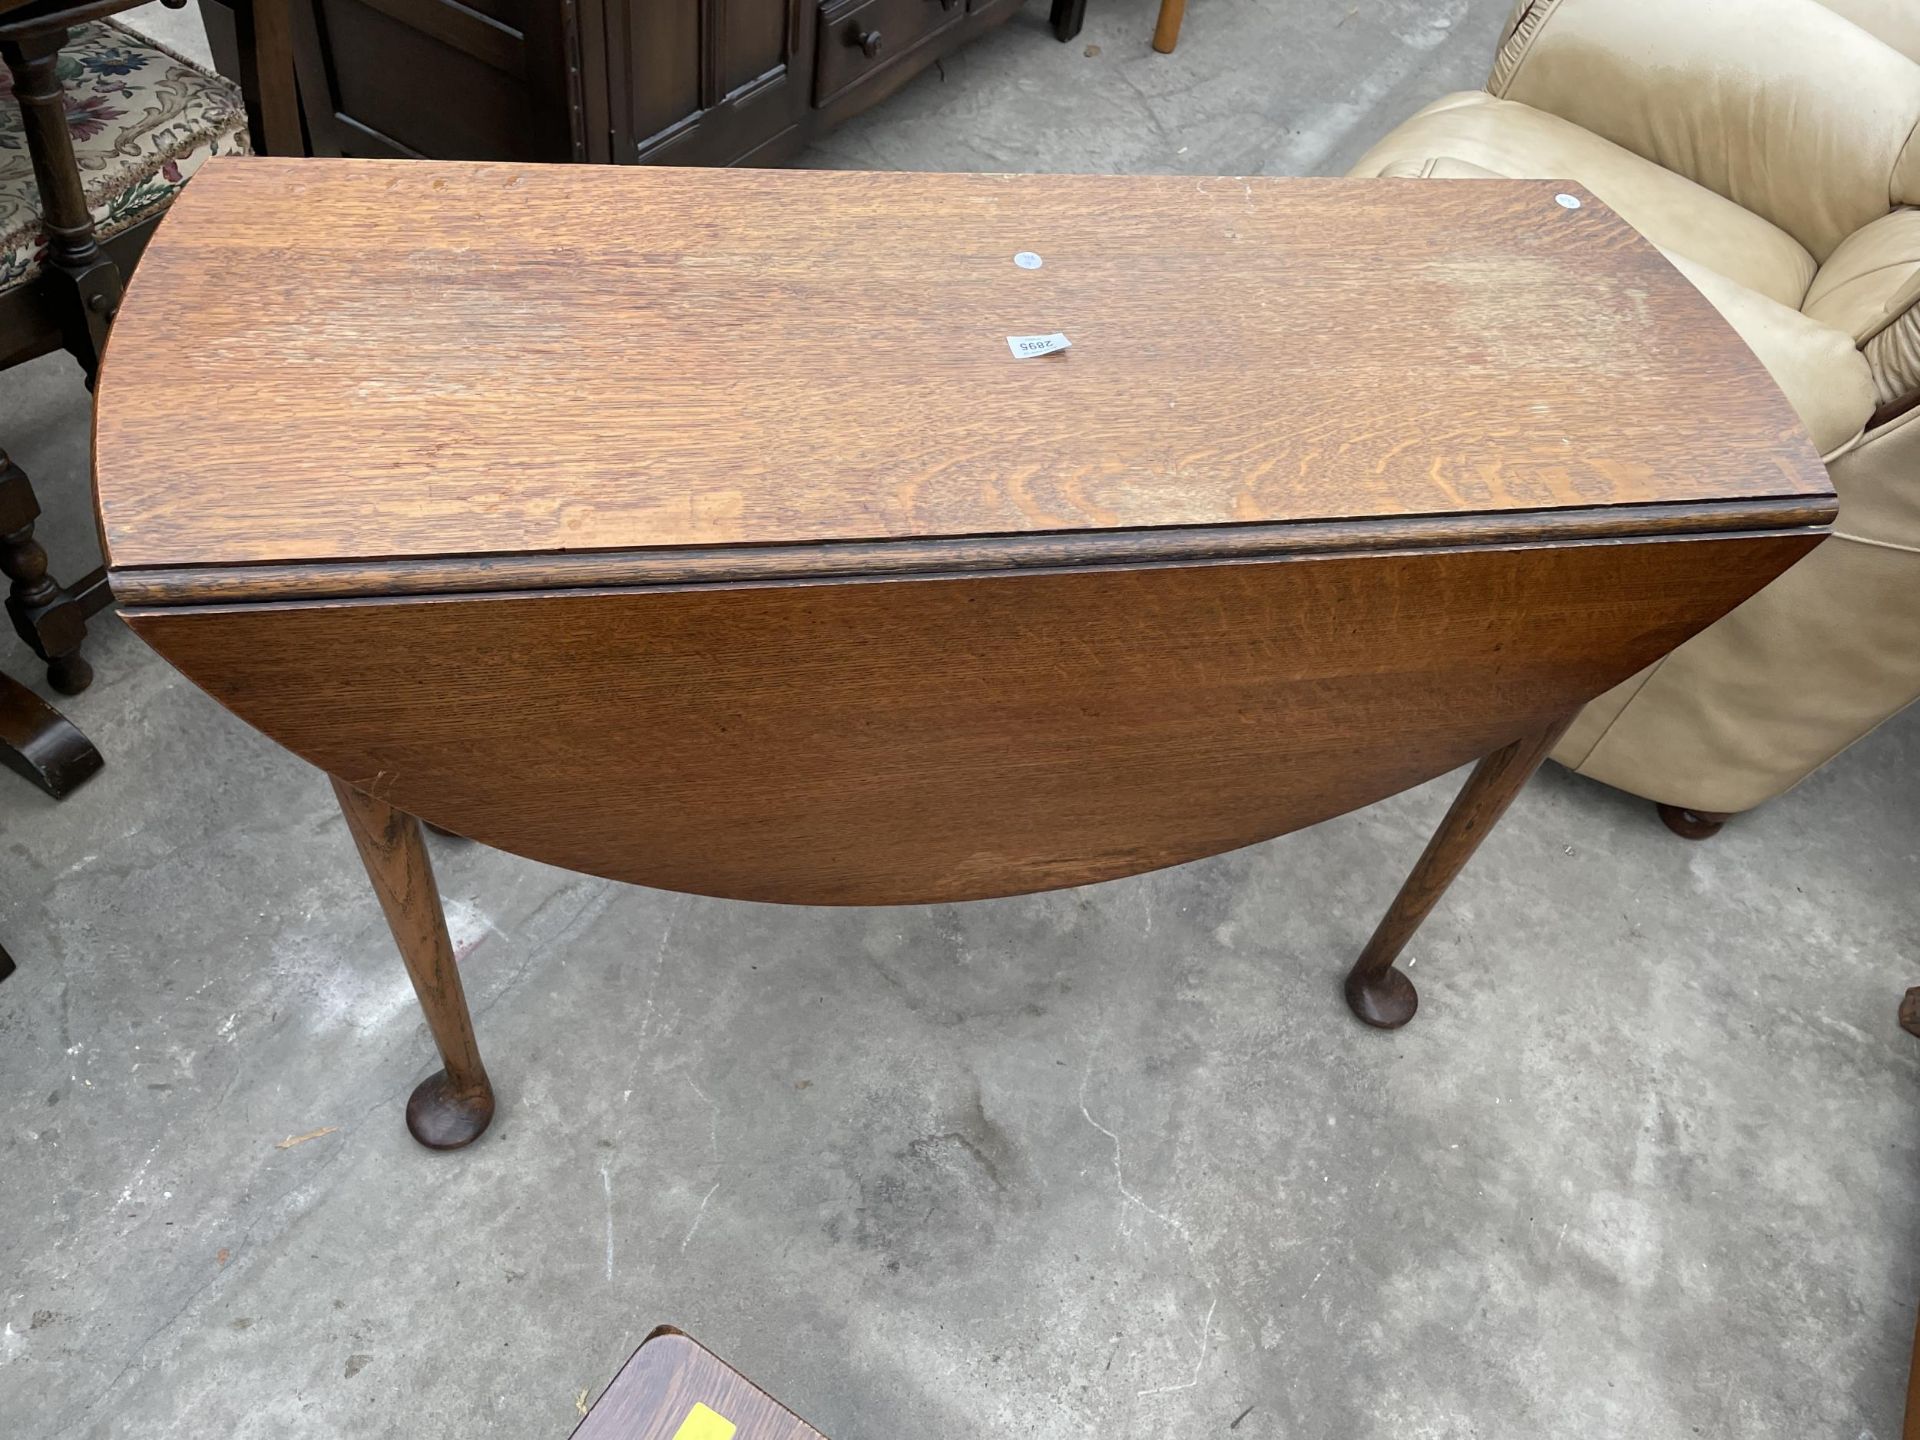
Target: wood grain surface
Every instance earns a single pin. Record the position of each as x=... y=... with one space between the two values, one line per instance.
x=328 y=360
x=902 y=740
x=667 y=1376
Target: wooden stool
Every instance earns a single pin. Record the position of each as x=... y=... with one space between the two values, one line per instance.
x=672 y=1389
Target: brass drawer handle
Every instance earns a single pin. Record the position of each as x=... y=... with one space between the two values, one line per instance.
x=867 y=42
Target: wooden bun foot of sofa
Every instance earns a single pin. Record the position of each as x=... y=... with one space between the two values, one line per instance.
x=1910 y=1011
x=1693 y=824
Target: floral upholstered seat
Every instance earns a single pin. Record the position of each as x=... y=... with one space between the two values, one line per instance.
x=142 y=121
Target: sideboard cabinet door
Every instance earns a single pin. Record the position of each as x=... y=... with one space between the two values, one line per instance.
x=448 y=79
x=708 y=82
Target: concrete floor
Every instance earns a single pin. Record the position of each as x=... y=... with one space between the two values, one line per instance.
x=1109 y=1162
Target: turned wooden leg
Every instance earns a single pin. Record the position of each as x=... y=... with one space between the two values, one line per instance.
x=1166 y=31
x=448 y=1109
x=1066 y=17
x=50 y=619
x=1693 y=824
x=1381 y=995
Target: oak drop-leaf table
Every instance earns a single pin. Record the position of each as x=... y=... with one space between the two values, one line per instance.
x=704 y=529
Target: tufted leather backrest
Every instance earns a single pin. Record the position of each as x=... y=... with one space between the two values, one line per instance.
x=1869 y=289
x=1895 y=21
x=1785 y=107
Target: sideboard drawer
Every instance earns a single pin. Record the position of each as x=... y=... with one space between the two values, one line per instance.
x=861 y=38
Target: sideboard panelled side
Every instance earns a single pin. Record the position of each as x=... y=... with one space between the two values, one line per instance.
x=677 y=82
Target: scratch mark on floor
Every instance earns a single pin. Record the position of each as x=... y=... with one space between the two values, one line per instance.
x=698 y=1216
x=1119 y=1179
x=606 y=1184
x=1200 y=1361
x=659 y=963
x=1173 y=1224
x=713 y=1116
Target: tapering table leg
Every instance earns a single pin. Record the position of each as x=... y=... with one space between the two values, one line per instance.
x=451 y=1108
x=1381 y=995
x=1166 y=30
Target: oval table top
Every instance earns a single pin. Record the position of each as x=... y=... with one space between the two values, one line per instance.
x=366 y=363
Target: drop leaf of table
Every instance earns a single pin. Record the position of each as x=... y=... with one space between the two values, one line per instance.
x=699 y=529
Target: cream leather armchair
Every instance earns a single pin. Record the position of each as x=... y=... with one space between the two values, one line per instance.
x=1769 y=148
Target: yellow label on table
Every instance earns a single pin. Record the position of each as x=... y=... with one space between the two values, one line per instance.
x=704 y=1424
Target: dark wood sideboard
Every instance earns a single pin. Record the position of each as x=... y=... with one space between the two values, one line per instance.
x=676 y=82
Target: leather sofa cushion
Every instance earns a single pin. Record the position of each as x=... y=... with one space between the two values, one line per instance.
x=1870 y=288
x=1784 y=107
x=1679 y=216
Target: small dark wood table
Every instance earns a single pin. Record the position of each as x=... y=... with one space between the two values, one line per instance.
x=701 y=529
x=672 y=1389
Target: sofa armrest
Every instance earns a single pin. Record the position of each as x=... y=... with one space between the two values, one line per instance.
x=1782 y=106
x=1825 y=379
x=1755 y=701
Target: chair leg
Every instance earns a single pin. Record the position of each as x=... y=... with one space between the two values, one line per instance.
x=76 y=265
x=39 y=743
x=1166 y=30
x=1066 y=17
x=49 y=618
